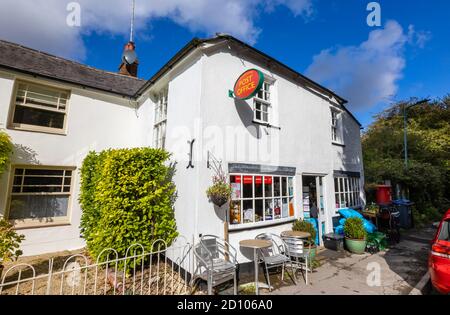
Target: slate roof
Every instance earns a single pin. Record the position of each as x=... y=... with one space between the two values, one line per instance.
x=30 y=61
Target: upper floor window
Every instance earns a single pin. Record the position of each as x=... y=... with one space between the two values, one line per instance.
x=161 y=120
x=39 y=108
x=262 y=104
x=335 y=127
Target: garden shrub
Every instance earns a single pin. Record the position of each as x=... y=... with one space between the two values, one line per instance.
x=127 y=198
x=6 y=148
x=427 y=214
x=90 y=177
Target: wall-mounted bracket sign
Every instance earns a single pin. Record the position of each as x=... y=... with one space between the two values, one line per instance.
x=248 y=84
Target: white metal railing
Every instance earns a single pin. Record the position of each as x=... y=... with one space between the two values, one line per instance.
x=163 y=270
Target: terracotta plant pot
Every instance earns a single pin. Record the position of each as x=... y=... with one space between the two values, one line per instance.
x=356 y=246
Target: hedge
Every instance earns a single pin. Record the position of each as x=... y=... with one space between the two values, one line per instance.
x=127 y=197
x=6 y=148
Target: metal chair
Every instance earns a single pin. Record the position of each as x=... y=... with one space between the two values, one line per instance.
x=300 y=259
x=216 y=262
x=276 y=256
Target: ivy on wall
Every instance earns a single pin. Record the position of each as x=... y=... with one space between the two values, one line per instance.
x=6 y=148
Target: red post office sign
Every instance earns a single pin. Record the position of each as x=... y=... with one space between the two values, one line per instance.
x=248 y=84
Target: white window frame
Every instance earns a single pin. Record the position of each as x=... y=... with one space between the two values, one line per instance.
x=347 y=192
x=336 y=127
x=60 y=108
x=265 y=222
x=160 y=124
x=265 y=101
x=44 y=221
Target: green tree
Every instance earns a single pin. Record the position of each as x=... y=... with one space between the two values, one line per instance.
x=427 y=177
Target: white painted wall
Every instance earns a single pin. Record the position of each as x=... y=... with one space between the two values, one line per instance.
x=349 y=157
x=304 y=139
x=183 y=123
x=95 y=122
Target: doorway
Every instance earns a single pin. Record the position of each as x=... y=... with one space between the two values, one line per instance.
x=314 y=204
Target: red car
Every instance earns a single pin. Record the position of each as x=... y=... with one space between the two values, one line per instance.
x=439 y=260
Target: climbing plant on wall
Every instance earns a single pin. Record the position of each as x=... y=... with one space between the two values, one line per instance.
x=6 y=148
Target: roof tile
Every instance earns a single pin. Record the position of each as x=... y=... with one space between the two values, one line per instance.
x=20 y=58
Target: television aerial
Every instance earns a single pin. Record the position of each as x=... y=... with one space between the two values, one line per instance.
x=129 y=57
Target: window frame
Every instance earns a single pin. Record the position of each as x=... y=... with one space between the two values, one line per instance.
x=336 y=126
x=45 y=221
x=160 y=119
x=267 y=102
x=350 y=196
x=35 y=128
x=264 y=222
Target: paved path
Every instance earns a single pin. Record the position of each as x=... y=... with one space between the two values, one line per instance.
x=401 y=268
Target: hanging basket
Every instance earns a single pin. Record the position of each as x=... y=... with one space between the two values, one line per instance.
x=218 y=200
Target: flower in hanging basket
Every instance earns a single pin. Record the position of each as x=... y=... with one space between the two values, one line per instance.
x=220 y=192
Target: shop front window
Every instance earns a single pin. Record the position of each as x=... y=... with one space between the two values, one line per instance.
x=347 y=192
x=261 y=198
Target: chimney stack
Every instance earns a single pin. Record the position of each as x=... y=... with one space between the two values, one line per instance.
x=130 y=63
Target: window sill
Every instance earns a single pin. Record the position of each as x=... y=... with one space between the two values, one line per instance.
x=38 y=130
x=37 y=225
x=268 y=125
x=353 y=207
x=254 y=226
x=338 y=144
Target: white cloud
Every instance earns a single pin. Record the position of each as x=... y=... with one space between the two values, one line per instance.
x=418 y=38
x=297 y=7
x=367 y=74
x=42 y=24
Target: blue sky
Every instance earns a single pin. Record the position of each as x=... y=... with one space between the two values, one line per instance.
x=328 y=40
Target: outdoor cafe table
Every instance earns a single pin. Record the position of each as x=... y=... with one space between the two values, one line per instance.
x=296 y=234
x=255 y=245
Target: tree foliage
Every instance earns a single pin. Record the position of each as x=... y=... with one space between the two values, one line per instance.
x=428 y=174
x=127 y=198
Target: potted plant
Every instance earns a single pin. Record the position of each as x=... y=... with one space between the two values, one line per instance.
x=9 y=244
x=372 y=209
x=355 y=235
x=305 y=226
x=220 y=191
